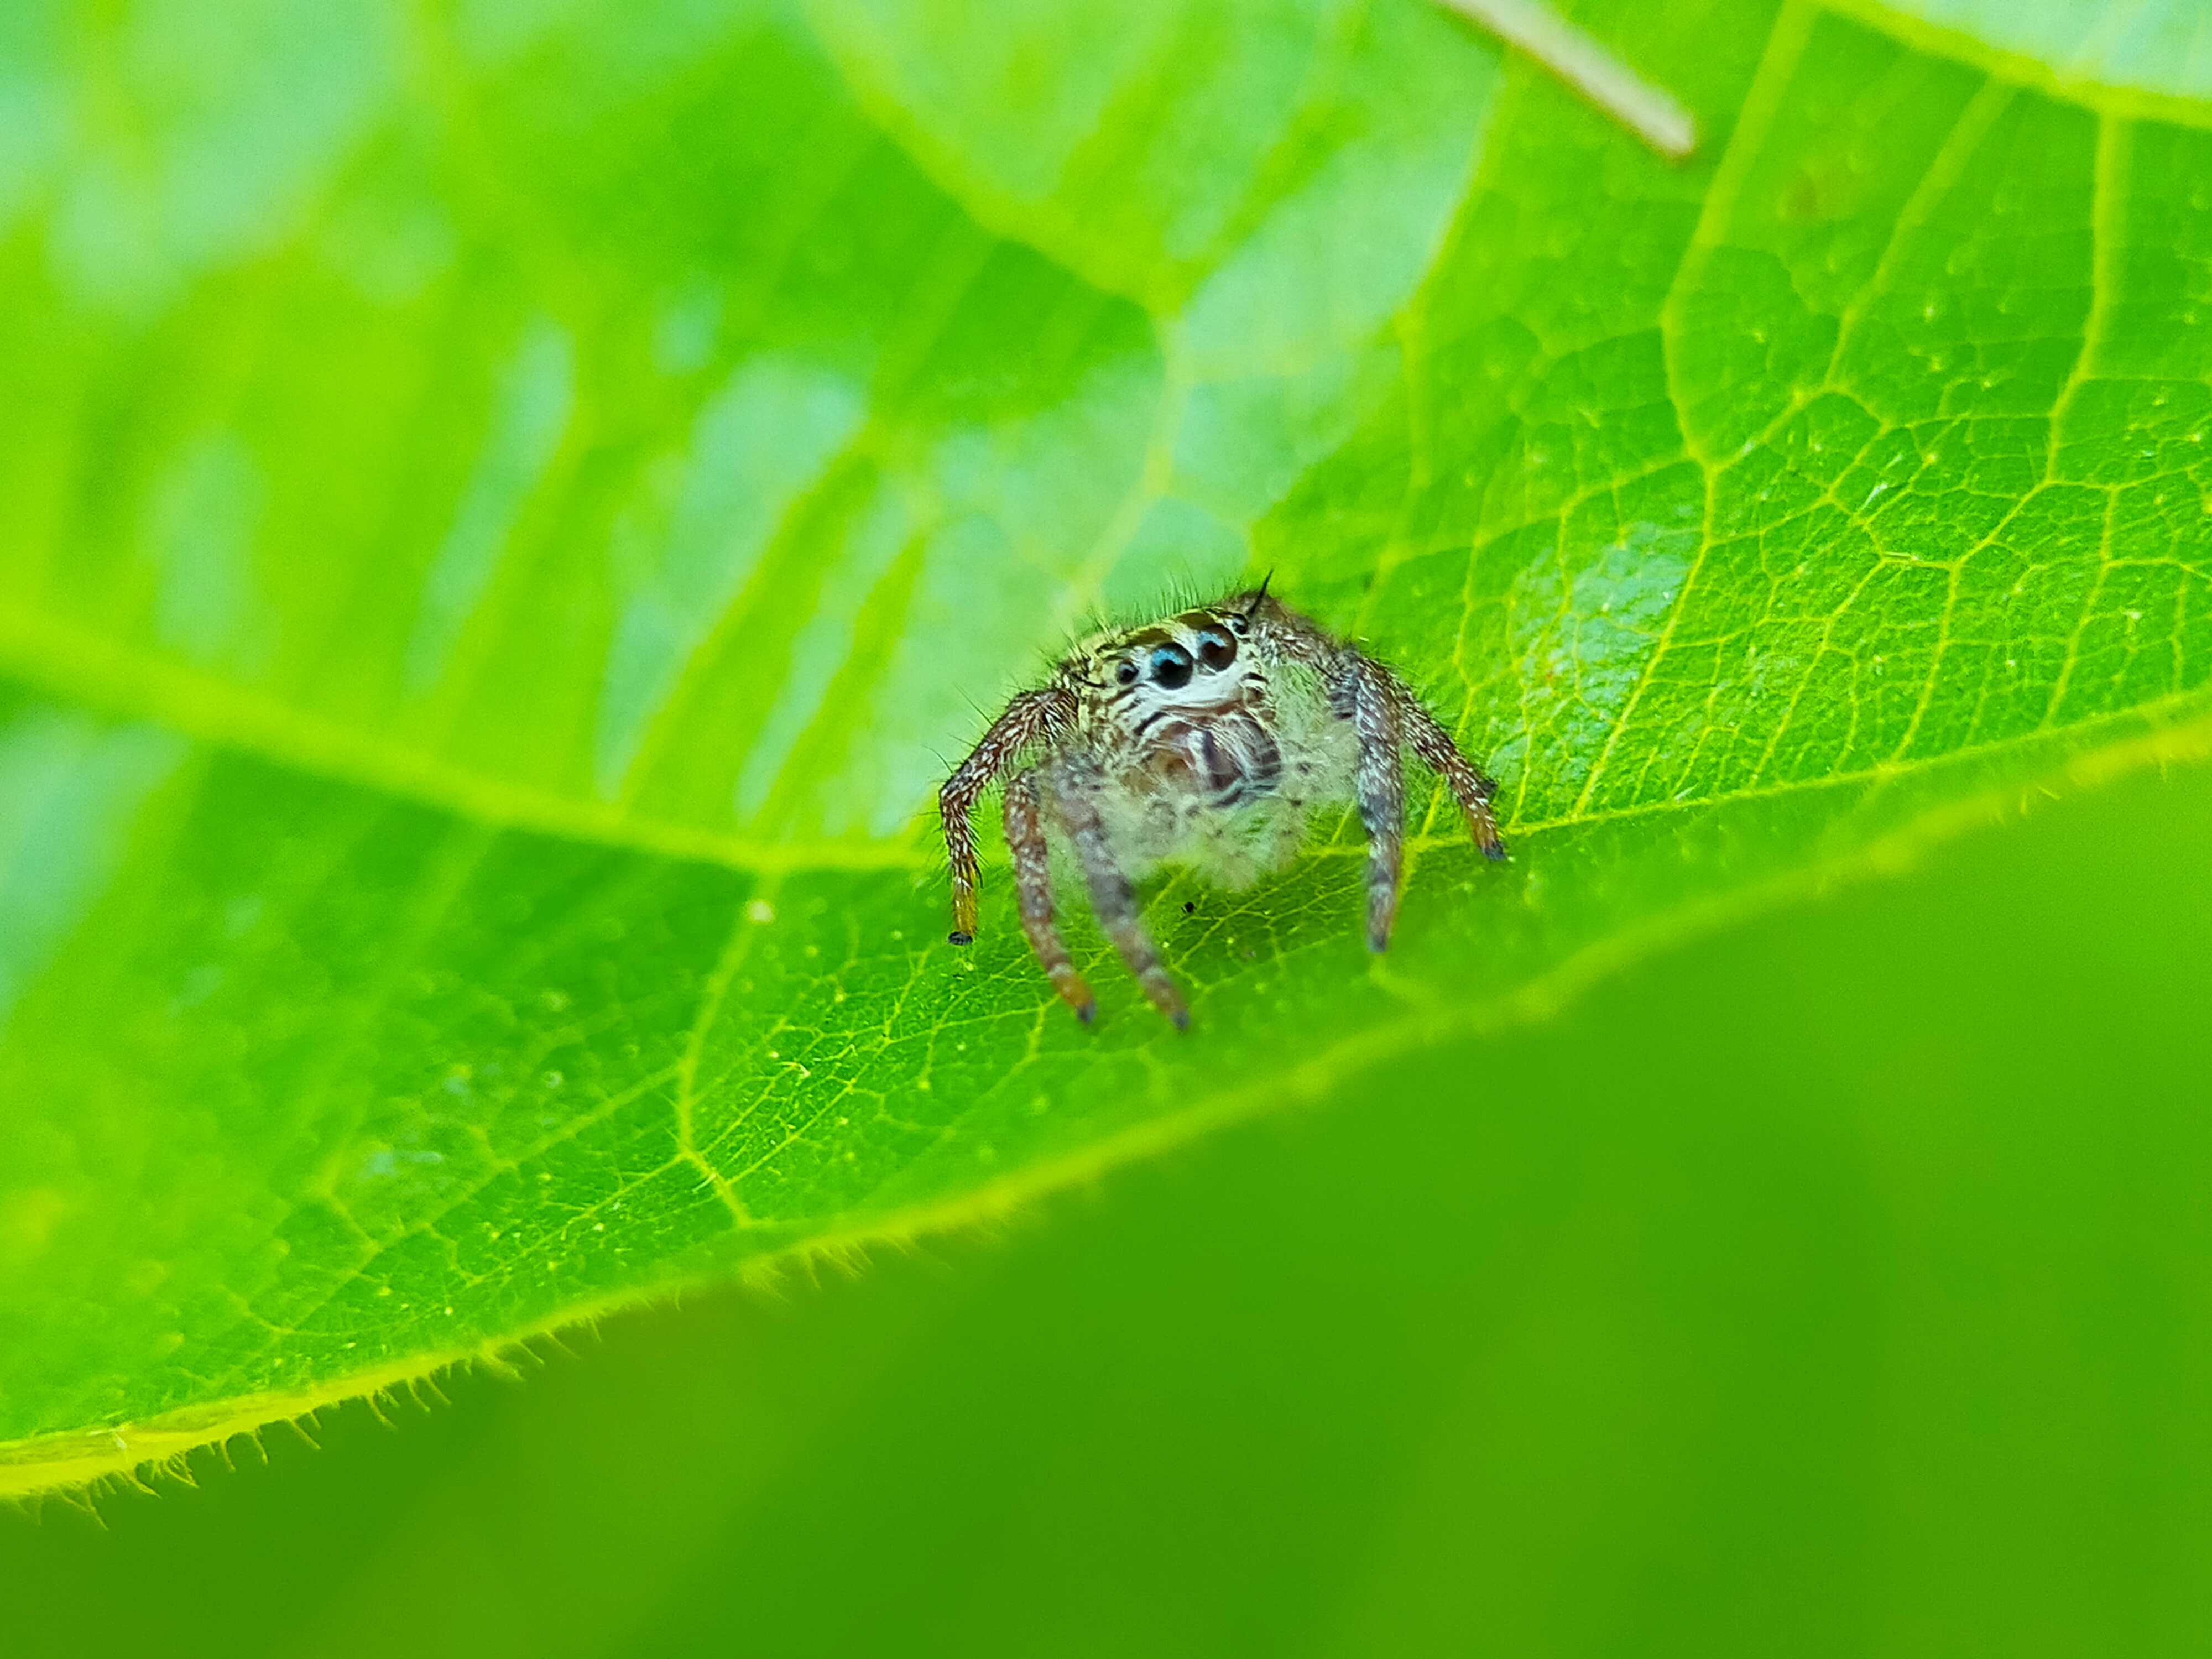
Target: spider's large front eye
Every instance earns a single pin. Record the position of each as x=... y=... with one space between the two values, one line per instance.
x=1125 y=672
x=1216 y=650
x=1171 y=667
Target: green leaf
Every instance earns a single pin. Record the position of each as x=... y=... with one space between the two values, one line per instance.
x=514 y=508
x=2154 y=46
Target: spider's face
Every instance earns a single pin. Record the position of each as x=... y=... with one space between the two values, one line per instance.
x=1190 y=666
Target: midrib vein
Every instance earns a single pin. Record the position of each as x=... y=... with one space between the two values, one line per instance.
x=71 y=663
x=82 y=667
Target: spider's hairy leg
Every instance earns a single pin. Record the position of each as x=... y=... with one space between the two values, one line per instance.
x=1471 y=787
x=1379 y=784
x=1074 y=799
x=1028 y=718
x=1368 y=695
x=1033 y=880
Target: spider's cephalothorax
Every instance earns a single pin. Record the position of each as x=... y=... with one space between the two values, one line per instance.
x=1204 y=739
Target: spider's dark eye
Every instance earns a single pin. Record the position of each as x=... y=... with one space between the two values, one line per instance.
x=1216 y=650
x=1171 y=667
x=1126 y=672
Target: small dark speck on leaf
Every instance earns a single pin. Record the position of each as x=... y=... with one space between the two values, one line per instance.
x=1190 y=906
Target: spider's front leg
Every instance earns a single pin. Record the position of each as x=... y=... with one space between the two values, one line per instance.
x=1379 y=783
x=1471 y=787
x=1033 y=881
x=1075 y=790
x=1030 y=717
x=1385 y=713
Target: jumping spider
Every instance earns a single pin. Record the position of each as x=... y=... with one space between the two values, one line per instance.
x=1202 y=739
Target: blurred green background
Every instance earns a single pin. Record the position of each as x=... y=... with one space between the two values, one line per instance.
x=1837 y=1283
